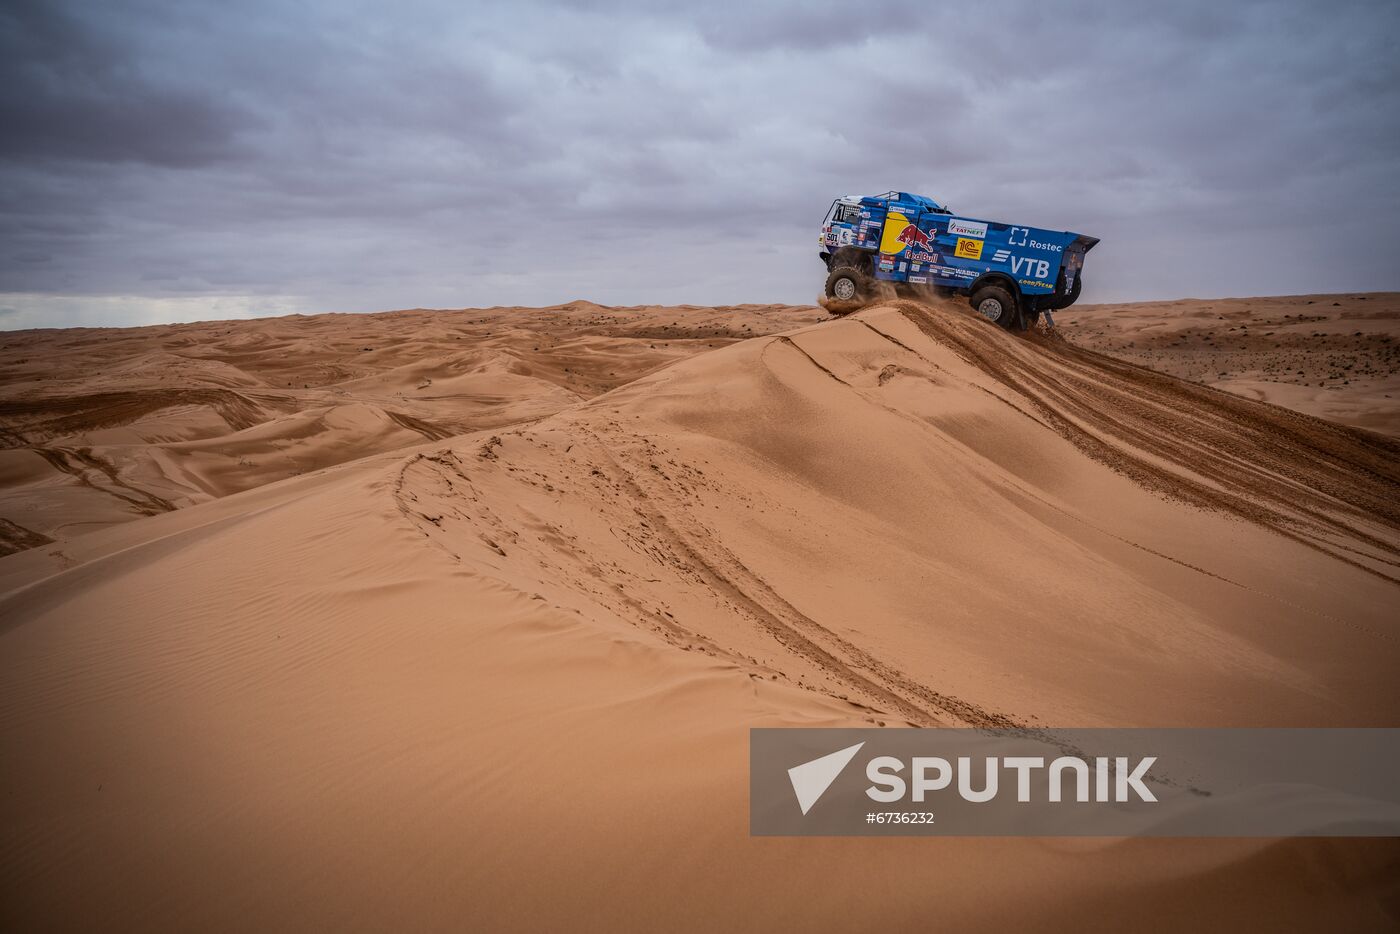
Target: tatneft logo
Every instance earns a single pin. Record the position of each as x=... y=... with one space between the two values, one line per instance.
x=892 y=779
x=961 y=228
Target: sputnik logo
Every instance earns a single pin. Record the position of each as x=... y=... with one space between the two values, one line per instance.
x=810 y=780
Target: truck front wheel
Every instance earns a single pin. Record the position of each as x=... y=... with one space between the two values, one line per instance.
x=844 y=284
x=995 y=304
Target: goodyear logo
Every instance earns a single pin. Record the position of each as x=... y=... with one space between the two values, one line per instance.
x=968 y=249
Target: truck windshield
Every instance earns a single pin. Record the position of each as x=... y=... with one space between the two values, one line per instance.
x=846 y=214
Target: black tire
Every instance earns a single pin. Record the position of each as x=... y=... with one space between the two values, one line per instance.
x=1064 y=301
x=996 y=304
x=845 y=284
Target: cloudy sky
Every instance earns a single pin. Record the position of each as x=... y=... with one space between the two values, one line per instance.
x=189 y=160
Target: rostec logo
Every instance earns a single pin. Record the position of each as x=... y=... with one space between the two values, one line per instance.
x=968 y=249
x=1020 y=236
x=958 y=228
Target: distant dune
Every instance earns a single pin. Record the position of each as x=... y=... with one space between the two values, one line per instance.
x=423 y=636
x=104 y=425
x=1333 y=356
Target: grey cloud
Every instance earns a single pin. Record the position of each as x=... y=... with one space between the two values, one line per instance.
x=352 y=157
x=71 y=92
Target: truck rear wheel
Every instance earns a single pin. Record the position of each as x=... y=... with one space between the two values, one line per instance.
x=845 y=284
x=995 y=304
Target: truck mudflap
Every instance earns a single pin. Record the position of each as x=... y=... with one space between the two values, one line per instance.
x=1074 y=261
x=1069 y=282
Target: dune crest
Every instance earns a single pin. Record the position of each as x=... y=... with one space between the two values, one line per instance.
x=100 y=426
x=1332 y=356
x=505 y=676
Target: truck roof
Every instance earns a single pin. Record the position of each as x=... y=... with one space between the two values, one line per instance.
x=928 y=204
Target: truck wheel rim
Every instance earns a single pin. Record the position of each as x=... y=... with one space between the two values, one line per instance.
x=845 y=289
x=990 y=309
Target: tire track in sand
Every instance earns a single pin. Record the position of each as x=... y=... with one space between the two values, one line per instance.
x=444 y=495
x=1327 y=486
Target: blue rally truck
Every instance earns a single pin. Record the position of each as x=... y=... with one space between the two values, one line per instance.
x=1011 y=274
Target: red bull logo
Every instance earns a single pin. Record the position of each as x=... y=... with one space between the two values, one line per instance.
x=913 y=236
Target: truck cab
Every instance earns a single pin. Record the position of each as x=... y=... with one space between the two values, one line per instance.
x=1011 y=274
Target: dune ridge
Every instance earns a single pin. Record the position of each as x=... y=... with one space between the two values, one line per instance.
x=105 y=425
x=1333 y=356
x=504 y=677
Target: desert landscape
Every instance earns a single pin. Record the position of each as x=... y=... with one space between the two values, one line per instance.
x=445 y=619
x=1333 y=356
x=103 y=425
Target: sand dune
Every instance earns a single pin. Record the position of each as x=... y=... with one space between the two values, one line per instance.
x=1334 y=356
x=105 y=425
x=499 y=672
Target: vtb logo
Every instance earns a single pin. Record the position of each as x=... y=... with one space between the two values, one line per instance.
x=1034 y=268
x=1023 y=265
